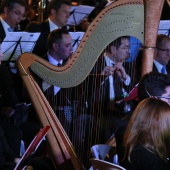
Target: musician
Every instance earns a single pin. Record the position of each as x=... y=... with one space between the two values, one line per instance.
x=161 y=84
x=59 y=50
x=112 y=81
x=147 y=136
x=112 y=71
x=58 y=14
x=161 y=57
x=12 y=13
x=162 y=54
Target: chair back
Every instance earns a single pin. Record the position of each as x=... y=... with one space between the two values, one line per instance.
x=105 y=152
x=98 y=164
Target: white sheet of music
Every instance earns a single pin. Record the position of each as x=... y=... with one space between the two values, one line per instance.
x=78 y=14
x=164 y=27
x=22 y=41
x=76 y=38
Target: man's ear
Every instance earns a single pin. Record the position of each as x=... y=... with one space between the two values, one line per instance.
x=112 y=49
x=53 y=12
x=5 y=10
x=55 y=46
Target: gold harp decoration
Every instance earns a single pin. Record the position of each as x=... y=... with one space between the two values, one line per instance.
x=123 y=17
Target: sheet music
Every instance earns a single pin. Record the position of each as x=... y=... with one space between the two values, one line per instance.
x=164 y=27
x=27 y=43
x=76 y=38
x=78 y=14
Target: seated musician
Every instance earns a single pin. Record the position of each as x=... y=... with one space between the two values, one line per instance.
x=112 y=82
x=161 y=57
x=58 y=14
x=59 y=50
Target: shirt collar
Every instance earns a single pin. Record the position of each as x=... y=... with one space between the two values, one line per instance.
x=109 y=62
x=52 y=25
x=5 y=26
x=158 y=65
x=53 y=61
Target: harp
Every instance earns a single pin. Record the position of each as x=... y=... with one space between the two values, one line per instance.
x=123 y=17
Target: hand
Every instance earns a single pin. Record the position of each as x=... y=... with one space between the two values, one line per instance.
x=120 y=71
x=108 y=70
x=29 y=168
x=16 y=160
x=7 y=111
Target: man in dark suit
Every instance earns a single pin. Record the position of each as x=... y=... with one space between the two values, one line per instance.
x=12 y=13
x=162 y=54
x=112 y=81
x=59 y=50
x=161 y=57
x=111 y=72
x=58 y=14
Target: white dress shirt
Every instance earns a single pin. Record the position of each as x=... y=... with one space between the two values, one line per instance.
x=5 y=26
x=109 y=62
x=54 y=62
x=52 y=25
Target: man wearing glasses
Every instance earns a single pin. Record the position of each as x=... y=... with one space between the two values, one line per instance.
x=112 y=82
x=162 y=54
x=12 y=11
x=155 y=84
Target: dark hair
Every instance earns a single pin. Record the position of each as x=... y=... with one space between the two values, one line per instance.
x=56 y=36
x=160 y=39
x=154 y=83
x=56 y=4
x=117 y=42
x=10 y=4
x=149 y=126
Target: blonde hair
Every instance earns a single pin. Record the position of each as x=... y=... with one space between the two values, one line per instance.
x=149 y=126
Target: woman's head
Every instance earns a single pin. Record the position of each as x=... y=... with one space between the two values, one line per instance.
x=149 y=126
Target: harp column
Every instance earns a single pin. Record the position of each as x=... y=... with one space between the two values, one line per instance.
x=152 y=13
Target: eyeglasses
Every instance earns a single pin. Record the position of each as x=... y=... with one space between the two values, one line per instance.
x=125 y=48
x=164 y=50
x=18 y=13
x=163 y=97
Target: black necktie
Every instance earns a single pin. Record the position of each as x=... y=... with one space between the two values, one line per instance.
x=163 y=70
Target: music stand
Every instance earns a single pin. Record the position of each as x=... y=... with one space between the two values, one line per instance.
x=164 y=27
x=16 y=43
x=32 y=148
x=76 y=38
x=78 y=14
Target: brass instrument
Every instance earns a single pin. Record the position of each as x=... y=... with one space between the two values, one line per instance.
x=123 y=17
x=41 y=8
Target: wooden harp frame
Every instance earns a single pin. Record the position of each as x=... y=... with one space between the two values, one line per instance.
x=123 y=17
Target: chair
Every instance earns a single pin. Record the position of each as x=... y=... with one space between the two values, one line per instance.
x=105 y=152
x=98 y=164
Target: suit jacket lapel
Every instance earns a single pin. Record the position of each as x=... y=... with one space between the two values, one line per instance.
x=2 y=32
